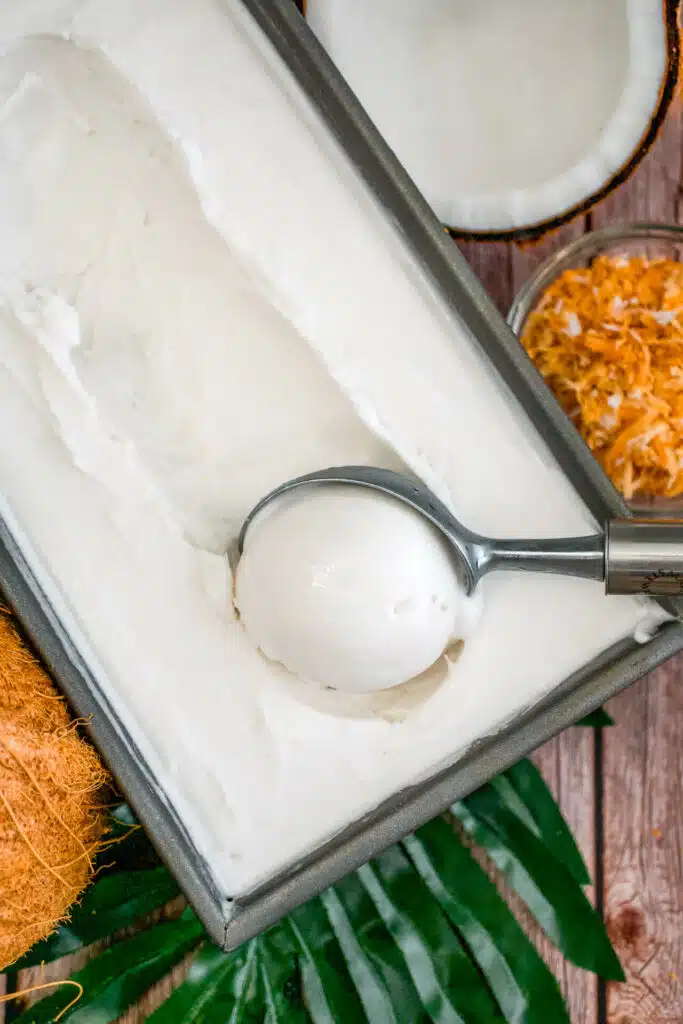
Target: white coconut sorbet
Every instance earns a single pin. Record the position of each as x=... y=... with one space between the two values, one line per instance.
x=198 y=300
x=351 y=589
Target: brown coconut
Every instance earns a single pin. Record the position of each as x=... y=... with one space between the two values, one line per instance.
x=51 y=783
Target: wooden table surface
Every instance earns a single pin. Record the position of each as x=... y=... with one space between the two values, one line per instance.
x=620 y=789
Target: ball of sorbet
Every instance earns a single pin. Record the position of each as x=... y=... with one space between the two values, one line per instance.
x=349 y=589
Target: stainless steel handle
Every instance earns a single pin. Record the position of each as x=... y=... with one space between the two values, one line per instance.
x=644 y=556
x=567 y=556
x=635 y=556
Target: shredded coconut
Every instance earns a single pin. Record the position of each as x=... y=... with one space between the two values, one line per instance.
x=609 y=344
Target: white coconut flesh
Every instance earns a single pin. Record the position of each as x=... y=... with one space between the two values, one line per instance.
x=507 y=113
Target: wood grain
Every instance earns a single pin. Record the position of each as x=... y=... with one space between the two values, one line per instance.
x=567 y=762
x=157 y=995
x=642 y=769
x=492 y=263
x=653 y=193
x=642 y=826
x=567 y=765
x=643 y=835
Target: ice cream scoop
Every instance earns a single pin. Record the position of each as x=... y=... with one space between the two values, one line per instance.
x=351 y=589
x=632 y=556
x=362 y=592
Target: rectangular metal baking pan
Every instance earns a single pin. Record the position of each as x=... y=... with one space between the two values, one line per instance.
x=232 y=922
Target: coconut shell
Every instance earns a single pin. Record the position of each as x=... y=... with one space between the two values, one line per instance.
x=672 y=89
x=51 y=820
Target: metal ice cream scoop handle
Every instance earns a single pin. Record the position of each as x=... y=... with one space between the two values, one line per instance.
x=632 y=556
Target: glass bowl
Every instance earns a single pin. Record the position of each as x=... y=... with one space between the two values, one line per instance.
x=650 y=240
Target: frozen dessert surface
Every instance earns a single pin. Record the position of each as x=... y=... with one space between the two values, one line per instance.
x=350 y=589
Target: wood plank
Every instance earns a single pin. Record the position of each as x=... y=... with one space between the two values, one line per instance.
x=526 y=257
x=643 y=859
x=157 y=995
x=59 y=970
x=643 y=814
x=567 y=762
x=643 y=764
x=653 y=193
x=567 y=766
x=70 y=964
x=492 y=263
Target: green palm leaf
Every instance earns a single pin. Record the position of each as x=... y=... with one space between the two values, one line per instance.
x=280 y=981
x=210 y=981
x=526 y=991
x=442 y=972
x=120 y=975
x=327 y=985
x=598 y=719
x=387 y=990
x=127 y=847
x=526 y=784
x=246 y=998
x=377 y=1002
x=553 y=896
x=419 y=935
x=110 y=904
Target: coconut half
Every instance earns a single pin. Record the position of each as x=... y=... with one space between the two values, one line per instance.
x=511 y=115
x=51 y=795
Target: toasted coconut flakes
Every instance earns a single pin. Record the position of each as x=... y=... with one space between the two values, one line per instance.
x=664 y=316
x=573 y=325
x=608 y=342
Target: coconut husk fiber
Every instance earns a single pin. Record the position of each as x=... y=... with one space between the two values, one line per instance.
x=51 y=820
